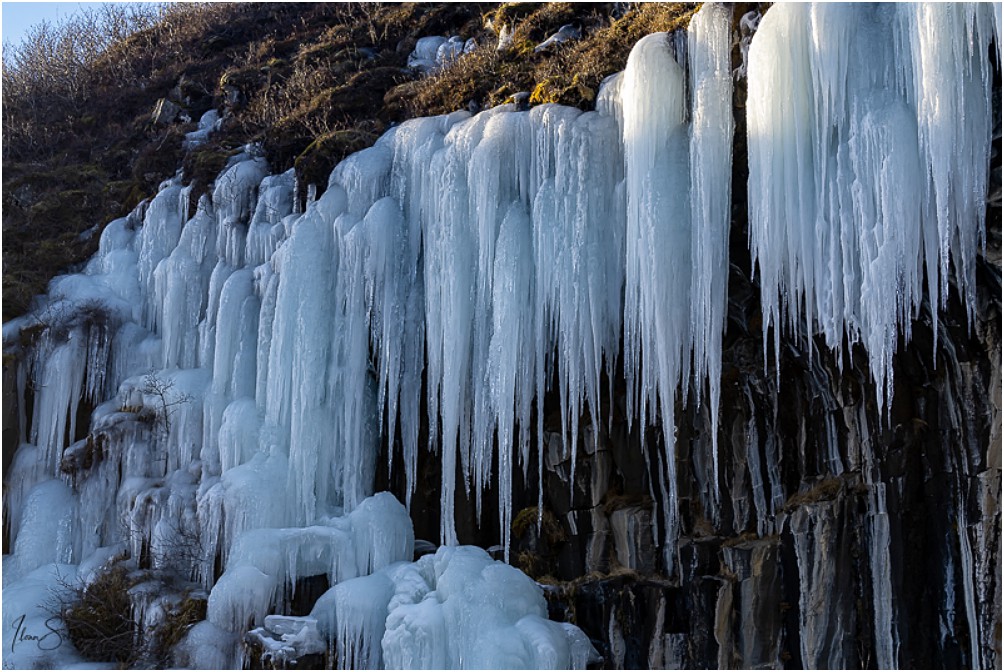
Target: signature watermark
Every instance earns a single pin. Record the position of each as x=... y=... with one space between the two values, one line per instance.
x=50 y=640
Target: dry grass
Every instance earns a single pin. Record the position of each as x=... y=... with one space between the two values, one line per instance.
x=570 y=74
x=99 y=622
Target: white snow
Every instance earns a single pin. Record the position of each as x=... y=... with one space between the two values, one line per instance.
x=209 y=122
x=435 y=52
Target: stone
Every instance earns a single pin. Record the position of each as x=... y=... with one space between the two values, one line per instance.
x=164 y=112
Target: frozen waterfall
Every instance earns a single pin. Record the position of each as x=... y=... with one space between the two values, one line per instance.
x=224 y=381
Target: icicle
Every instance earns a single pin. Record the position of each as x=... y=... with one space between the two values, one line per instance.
x=657 y=287
x=711 y=177
x=869 y=96
x=45 y=529
x=509 y=380
x=156 y=240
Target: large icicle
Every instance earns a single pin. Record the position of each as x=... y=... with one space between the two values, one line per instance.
x=854 y=137
x=710 y=186
x=678 y=149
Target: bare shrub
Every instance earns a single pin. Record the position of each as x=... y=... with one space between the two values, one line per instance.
x=165 y=404
x=98 y=618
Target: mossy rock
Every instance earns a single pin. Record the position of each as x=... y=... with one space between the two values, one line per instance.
x=245 y=79
x=159 y=161
x=316 y=162
x=543 y=93
x=123 y=196
x=535 y=548
x=377 y=81
x=201 y=167
x=65 y=210
x=825 y=490
x=397 y=100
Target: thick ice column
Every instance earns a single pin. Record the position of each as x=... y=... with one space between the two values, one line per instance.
x=415 y=143
x=159 y=236
x=782 y=169
x=510 y=372
x=310 y=269
x=583 y=292
x=498 y=177
x=234 y=201
x=45 y=529
x=181 y=283
x=234 y=361
x=449 y=246
x=657 y=330
x=711 y=180
x=59 y=384
x=275 y=202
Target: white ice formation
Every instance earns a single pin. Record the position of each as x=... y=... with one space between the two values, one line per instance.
x=435 y=52
x=454 y=609
x=564 y=34
x=869 y=174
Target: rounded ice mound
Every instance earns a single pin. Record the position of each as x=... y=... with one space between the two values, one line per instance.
x=455 y=609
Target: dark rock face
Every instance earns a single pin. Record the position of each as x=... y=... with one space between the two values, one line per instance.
x=843 y=538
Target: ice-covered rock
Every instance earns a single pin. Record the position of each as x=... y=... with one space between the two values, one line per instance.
x=208 y=123
x=456 y=608
x=563 y=34
x=435 y=52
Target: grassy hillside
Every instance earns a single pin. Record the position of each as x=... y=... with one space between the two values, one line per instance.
x=310 y=82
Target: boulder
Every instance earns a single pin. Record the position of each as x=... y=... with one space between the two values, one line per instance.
x=164 y=112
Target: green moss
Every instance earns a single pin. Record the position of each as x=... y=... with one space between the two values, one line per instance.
x=509 y=13
x=536 y=549
x=124 y=195
x=319 y=158
x=201 y=166
x=543 y=93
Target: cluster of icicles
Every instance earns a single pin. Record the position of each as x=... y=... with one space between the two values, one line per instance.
x=491 y=255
